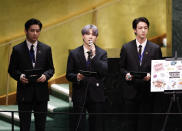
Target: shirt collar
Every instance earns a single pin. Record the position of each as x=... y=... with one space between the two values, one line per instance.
x=143 y=44
x=85 y=49
x=29 y=44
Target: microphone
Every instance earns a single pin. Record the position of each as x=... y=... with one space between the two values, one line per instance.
x=90 y=43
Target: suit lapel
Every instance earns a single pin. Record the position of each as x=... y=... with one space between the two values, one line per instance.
x=39 y=50
x=27 y=54
x=146 y=53
x=96 y=51
x=135 y=52
x=81 y=57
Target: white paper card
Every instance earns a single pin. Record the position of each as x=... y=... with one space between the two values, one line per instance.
x=166 y=75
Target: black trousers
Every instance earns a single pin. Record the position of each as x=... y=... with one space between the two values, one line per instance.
x=40 y=113
x=95 y=120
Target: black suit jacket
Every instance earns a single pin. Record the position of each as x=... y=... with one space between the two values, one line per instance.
x=20 y=61
x=94 y=85
x=129 y=61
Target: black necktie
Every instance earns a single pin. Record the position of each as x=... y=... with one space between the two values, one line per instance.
x=140 y=50
x=32 y=54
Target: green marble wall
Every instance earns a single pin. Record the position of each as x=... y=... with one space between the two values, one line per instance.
x=177 y=27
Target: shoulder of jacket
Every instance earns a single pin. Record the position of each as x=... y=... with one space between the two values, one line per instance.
x=153 y=44
x=100 y=49
x=43 y=44
x=20 y=45
x=130 y=43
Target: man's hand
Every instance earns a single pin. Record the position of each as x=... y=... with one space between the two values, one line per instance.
x=23 y=79
x=147 y=78
x=42 y=78
x=128 y=77
x=80 y=77
x=92 y=48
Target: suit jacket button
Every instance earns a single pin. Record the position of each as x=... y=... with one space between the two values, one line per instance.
x=97 y=84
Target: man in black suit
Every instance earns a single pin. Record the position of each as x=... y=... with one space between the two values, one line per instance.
x=88 y=92
x=32 y=85
x=135 y=57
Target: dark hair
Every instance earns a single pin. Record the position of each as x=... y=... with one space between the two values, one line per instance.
x=140 y=19
x=32 y=21
x=85 y=30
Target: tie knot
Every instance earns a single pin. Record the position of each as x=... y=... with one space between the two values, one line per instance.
x=140 y=46
x=89 y=53
x=32 y=46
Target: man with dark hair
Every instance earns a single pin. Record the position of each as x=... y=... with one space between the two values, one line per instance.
x=31 y=66
x=135 y=57
x=140 y=19
x=88 y=90
x=32 y=22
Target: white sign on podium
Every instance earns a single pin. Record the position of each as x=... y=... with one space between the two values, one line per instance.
x=166 y=75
